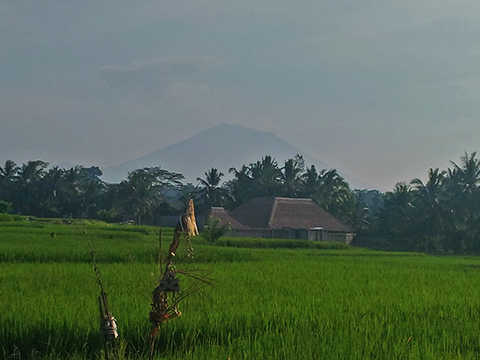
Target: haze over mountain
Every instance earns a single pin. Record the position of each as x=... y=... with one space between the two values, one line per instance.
x=220 y=147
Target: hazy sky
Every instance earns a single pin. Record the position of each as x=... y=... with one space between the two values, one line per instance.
x=380 y=90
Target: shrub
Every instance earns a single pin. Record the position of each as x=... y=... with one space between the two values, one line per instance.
x=5 y=207
x=108 y=216
x=212 y=231
x=6 y=218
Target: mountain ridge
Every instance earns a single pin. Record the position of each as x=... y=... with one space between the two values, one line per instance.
x=221 y=147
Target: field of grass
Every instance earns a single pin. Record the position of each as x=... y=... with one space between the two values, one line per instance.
x=268 y=302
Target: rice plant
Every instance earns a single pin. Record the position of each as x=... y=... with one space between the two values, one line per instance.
x=267 y=303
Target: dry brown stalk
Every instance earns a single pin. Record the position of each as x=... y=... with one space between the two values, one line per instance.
x=166 y=296
x=108 y=324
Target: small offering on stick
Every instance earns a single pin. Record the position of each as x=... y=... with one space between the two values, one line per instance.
x=167 y=295
x=108 y=324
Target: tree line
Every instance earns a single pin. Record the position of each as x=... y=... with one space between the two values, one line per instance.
x=439 y=215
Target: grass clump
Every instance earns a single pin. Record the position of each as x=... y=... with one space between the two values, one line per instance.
x=11 y=218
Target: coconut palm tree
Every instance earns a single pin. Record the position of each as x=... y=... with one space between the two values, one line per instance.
x=9 y=171
x=291 y=176
x=142 y=191
x=32 y=171
x=8 y=176
x=92 y=190
x=53 y=183
x=240 y=187
x=311 y=185
x=266 y=176
x=211 y=192
x=397 y=217
x=334 y=193
x=27 y=194
x=467 y=175
x=429 y=198
x=464 y=192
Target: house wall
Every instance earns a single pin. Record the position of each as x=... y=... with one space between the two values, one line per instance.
x=338 y=237
x=285 y=233
x=288 y=233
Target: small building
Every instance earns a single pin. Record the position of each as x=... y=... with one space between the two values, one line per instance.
x=284 y=218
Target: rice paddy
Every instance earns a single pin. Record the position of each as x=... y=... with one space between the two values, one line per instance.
x=267 y=302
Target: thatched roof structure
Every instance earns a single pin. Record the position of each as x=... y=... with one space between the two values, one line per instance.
x=225 y=218
x=279 y=212
x=277 y=217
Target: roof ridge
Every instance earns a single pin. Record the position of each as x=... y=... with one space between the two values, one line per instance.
x=293 y=200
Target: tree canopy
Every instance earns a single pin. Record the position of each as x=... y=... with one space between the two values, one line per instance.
x=441 y=213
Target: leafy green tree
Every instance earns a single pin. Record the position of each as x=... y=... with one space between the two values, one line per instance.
x=77 y=191
x=113 y=203
x=143 y=189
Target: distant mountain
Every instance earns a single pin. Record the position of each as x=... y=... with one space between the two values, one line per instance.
x=220 y=147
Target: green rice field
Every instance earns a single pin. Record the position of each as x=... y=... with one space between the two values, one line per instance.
x=271 y=299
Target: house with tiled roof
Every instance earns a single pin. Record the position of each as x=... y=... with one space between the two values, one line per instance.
x=279 y=217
